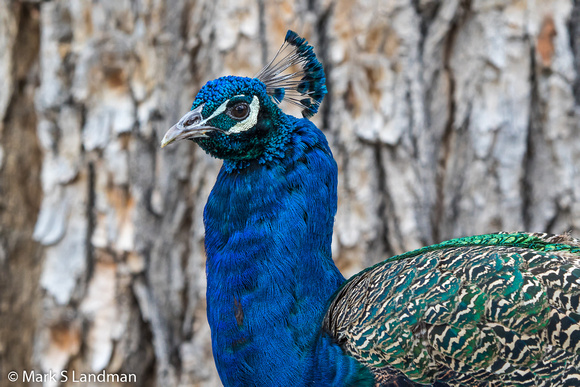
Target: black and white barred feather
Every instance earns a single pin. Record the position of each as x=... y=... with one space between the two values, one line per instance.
x=492 y=310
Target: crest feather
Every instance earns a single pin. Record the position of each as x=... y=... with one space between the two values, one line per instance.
x=306 y=87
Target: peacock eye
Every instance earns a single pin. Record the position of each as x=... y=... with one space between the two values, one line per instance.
x=239 y=111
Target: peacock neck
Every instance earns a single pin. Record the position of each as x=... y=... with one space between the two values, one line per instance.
x=269 y=267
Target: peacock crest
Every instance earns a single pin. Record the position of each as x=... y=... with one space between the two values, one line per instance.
x=304 y=88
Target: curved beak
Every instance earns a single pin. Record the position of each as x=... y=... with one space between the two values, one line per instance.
x=191 y=125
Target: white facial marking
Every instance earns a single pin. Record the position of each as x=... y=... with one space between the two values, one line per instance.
x=218 y=111
x=249 y=121
x=241 y=126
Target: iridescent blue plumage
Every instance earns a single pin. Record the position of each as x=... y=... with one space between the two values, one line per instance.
x=268 y=224
x=491 y=310
x=270 y=271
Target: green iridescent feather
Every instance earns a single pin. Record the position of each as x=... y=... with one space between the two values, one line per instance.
x=488 y=310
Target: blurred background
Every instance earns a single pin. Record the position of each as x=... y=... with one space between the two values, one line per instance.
x=447 y=118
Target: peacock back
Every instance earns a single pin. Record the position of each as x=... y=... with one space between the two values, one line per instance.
x=490 y=310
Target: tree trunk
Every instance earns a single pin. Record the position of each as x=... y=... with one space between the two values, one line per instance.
x=447 y=118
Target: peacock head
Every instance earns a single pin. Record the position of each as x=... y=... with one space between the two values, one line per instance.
x=237 y=118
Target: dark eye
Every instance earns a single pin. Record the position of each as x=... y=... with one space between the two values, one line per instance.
x=239 y=111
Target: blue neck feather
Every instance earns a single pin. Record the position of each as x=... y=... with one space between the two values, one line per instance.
x=270 y=272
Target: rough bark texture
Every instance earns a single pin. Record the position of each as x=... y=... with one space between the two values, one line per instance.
x=447 y=118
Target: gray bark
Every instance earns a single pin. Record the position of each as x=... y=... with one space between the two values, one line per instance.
x=447 y=118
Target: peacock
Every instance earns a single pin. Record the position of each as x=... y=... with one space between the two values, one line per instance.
x=489 y=310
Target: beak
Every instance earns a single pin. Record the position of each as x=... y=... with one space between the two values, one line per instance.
x=191 y=125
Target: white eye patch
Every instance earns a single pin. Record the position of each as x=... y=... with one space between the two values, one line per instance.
x=241 y=126
x=249 y=121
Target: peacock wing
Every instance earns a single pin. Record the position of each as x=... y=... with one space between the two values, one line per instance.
x=487 y=310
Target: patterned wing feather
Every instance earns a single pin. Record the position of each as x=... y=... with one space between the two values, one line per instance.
x=492 y=310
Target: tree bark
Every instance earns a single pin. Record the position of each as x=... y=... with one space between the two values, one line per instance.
x=447 y=118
